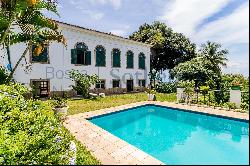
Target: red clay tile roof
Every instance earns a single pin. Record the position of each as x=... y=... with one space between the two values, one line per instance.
x=110 y=34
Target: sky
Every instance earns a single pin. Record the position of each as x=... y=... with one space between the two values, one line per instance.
x=223 y=21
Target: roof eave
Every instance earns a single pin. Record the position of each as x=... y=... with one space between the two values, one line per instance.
x=103 y=33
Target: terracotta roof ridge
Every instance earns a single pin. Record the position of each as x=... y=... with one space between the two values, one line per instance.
x=105 y=33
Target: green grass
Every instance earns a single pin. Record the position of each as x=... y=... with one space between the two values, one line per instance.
x=86 y=105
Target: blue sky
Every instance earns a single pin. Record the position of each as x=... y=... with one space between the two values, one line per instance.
x=224 y=21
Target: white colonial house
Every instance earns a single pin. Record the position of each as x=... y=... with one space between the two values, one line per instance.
x=121 y=64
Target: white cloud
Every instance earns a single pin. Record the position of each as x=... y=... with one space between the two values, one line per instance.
x=121 y=31
x=115 y=3
x=118 y=32
x=237 y=67
x=97 y=16
x=86 y=7
x=231 y=29
x=233 y=64
x=184 y=15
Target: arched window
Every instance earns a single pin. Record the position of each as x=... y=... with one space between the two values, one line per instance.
x=141 y=60
x=130 y=60
x=81 y=55
x=100 y=53
x=116 y=58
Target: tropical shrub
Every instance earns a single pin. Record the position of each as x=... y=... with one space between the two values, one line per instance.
x=83 y=82
x=31 y=133
x=150 y=91
x=244 y=106
x=169 y=87
x=181 y=84
x=188 y=89
x=3 y=75
x=229 y=105
x=245 y=101
x=59 y=102
x=204 y=90
x=229 y=80
x=221 y=96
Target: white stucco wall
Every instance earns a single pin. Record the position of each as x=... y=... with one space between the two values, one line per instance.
x=235 y=97
x=60 y=60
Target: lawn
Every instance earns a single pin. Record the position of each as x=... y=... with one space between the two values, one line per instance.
x=85 y=105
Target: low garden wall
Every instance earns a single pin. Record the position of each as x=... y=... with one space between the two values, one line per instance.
x=109 y=91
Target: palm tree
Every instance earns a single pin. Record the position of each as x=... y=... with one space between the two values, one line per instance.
x=212 y=53
x=36 y=29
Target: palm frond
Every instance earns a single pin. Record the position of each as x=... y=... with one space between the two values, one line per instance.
x=50 y=5
x=3 y=23
x=49 y=35
x=20 y=38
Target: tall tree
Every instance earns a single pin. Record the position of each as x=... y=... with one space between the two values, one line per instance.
x=205 y=67
x=195 y=70
x=35 y=28
x=170 y=48
x=217 y=57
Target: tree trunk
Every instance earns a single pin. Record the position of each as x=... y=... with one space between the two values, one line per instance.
x=8 y=54
x=17 y=64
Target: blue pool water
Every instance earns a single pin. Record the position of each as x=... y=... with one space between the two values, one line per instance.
x=179 y=137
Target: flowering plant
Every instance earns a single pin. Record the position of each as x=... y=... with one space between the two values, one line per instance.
x=236 y=83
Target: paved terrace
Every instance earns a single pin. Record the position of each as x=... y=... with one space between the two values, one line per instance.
x=110 y=149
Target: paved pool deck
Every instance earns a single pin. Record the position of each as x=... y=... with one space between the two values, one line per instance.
x=111 y=150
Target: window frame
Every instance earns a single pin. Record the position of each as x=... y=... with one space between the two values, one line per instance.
x=112 y=58
x=141 y=54
x=127 y=59
x=116 y=80
x=31 y=55
x=84 y=55
x=41 y=80
x=104 y=55
x=140 y=83
x=101 y=84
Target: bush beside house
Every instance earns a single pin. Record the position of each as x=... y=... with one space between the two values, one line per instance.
x=32 y=134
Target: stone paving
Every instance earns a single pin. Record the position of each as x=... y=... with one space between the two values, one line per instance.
x=111 y=150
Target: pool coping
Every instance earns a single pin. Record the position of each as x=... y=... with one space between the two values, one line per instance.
x=110 y=149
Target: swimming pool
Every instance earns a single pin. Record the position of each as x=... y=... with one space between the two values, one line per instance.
x=175 y=136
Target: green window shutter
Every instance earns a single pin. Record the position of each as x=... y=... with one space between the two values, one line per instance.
x=141 y=62
x=100 y=57
x=103 y=59
x=43 y=57
x=88 y=57
x=116 y=59
x=130 y=60
x=73 y=56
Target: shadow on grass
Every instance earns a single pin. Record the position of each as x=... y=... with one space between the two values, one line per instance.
x=89 y=99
